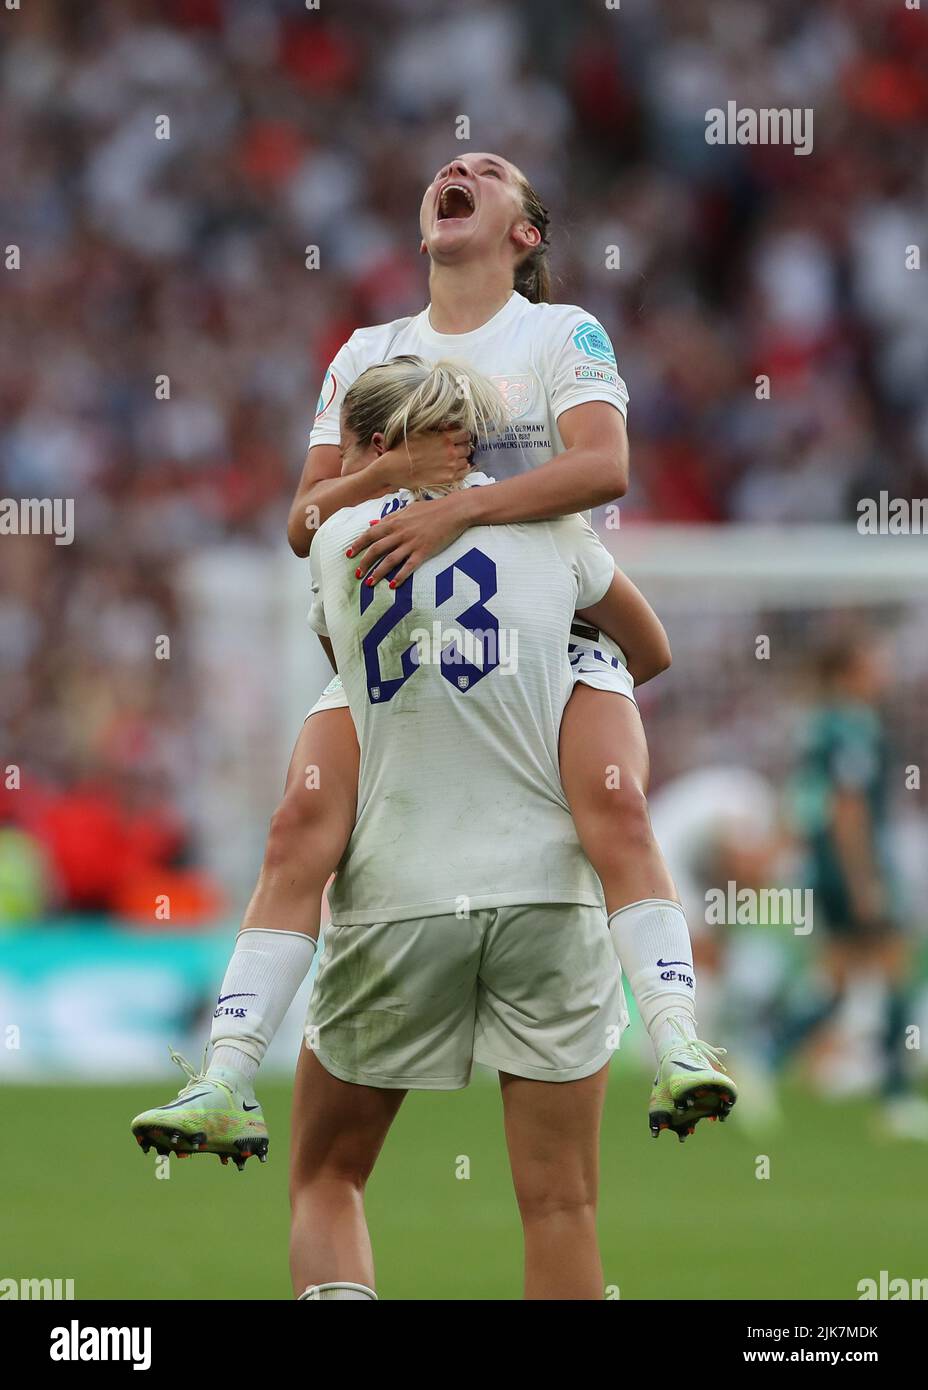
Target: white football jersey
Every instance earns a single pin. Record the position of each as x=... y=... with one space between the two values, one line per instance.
x=543 y=358
x=456 y=682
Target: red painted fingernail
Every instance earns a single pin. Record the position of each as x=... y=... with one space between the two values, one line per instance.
x=392 y=583
x=357 y=574
x=373 y=523
x=349 y=553
x=369 y=583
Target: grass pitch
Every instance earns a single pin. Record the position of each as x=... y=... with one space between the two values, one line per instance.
x=677 y=1221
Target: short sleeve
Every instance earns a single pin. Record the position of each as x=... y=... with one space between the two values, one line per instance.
x=582 y=365
x=316 y=615
x=584 y=552
x=341 y=374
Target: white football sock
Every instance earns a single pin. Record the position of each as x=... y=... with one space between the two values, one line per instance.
x=225 y=1059
x=260 y=983
x=320 y=1291
x=652 y=942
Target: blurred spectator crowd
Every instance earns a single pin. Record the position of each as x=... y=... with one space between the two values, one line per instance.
x=291 y=127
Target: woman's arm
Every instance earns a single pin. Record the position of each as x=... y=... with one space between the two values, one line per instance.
x=592 y=469
x=437 y=458
x=322 y=491
x=624 y=614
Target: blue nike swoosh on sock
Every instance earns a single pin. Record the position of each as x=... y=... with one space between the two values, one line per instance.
x=660 y=963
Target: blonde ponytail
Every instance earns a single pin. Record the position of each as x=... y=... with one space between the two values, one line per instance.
x=407 y=396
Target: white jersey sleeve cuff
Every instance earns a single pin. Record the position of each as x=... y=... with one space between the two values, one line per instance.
x=584 y=397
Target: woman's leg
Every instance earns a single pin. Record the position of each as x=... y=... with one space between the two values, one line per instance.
x=890 y=961
x=815 y=1001
x=338 y=1131
x=552 y=1132
x=273 y=951
x=310 y=827
x=604 y=771
x=274 y=948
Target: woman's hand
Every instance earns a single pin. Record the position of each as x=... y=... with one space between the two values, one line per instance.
x=433 y=459
x=409 y=537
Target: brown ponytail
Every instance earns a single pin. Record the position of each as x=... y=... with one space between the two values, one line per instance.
x=533 y=276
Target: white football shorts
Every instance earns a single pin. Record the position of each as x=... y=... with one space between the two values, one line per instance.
x=535 y=991
x=597 y=661
x=333 y=697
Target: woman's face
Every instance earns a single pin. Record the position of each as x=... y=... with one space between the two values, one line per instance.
x=473 y=205
x=356 y=455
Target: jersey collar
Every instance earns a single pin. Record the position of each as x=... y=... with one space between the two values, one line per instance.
x=473 y=479
x=455 y=342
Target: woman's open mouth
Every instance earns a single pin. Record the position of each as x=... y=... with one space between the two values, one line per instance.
x=455 y=202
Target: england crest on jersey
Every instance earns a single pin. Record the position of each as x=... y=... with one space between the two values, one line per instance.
x=517 y=392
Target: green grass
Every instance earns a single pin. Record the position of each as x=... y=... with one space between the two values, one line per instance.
x=677 y=1221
